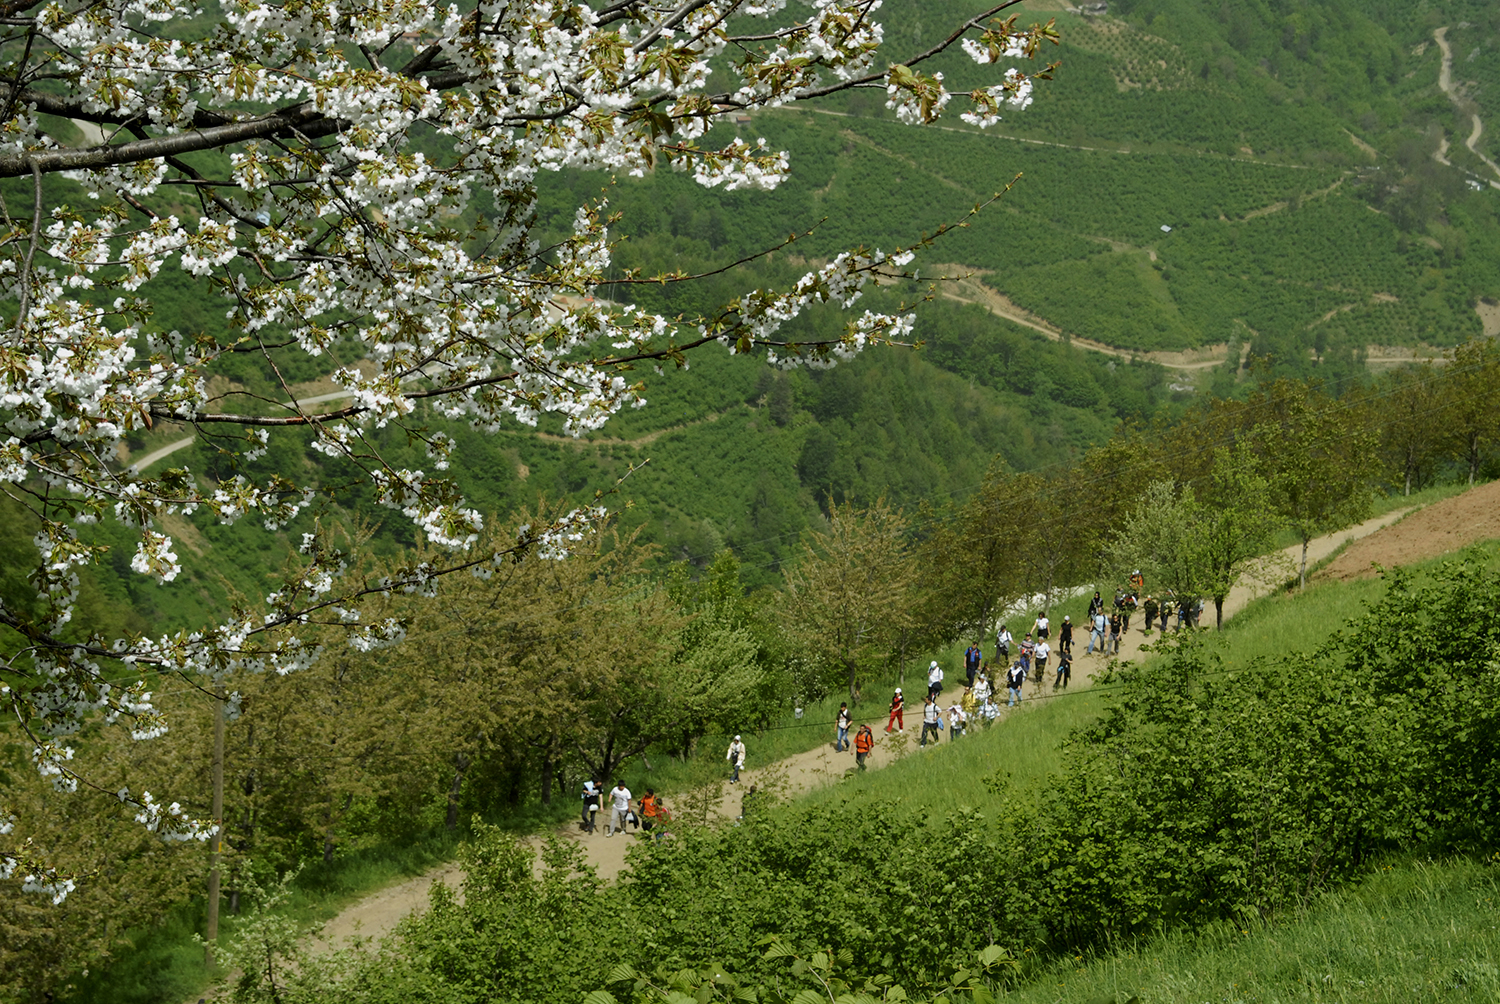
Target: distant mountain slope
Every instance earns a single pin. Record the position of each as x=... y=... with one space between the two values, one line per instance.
x=1294 y=151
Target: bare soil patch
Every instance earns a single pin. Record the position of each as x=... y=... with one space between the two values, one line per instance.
x=1429 y=532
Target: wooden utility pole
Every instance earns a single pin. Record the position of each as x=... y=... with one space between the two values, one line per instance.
x=215 y=843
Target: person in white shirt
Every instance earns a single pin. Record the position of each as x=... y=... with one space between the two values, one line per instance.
x=736 y=758
x=932 y=720
x=1002 y=646
x=590 y=805
x=934 y=680
x=1043 y=651
x=989 y=711
x=957 y=719
x=1042 y=627
x=619 y=807
x=982 y=687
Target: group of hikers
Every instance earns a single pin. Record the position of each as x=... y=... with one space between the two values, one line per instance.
x=979 y=702
x=650 y=813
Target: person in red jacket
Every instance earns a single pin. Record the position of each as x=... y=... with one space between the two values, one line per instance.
x=898 y=706
x=864 y=742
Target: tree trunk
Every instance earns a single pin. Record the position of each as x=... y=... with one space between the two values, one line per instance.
x=1218 y=613
x=1303 y=583
x=328 y=841
x=549 y=766
x=460 y=764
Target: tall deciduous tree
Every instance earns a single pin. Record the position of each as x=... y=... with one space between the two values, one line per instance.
x=852 y=591
x=1237 y=521
x=1407 y=412
x=361 y=178
x=1320 y=460
x=1202 y=544
x=1470 y=402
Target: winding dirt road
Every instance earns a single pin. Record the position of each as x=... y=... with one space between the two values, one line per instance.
x=1445 y=83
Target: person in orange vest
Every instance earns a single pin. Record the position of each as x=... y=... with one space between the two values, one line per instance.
x=898 y=707
x=864 y=742
x=650 y=810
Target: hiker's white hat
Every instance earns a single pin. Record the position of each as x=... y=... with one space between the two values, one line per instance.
x=934 y=664
x=736 y=738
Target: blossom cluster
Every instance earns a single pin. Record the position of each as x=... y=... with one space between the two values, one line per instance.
x=327 y=228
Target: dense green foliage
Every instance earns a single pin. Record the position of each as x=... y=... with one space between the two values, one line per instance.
x=1199 y=796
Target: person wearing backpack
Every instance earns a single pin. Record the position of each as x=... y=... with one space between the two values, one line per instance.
x=1002 y=645
x=1013 y=681
x=932 y=720
x=1043 y=653
x=934 y=680
x=864 y=742
x=841 y=742
x=898 y=712
x=590 y=805
x=1028 y=650
x=1064 y=670
x=1098 y=625
x=736 y=758
x=972 y=658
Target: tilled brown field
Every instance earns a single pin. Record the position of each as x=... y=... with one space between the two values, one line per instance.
x=1427 y=533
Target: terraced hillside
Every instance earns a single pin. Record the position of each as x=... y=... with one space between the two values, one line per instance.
x=1291 y=179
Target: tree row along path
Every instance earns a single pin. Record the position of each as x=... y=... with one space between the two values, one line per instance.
x=377 y=914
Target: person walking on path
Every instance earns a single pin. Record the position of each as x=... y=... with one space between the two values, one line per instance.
x=898 y=716
x=1043 y=653
x=1042 y=627
x=989 y=711
x=972 y=658
x=1098 y=625
x=1115 y=622
x=982 y=687
x=1028 y=650
x=1096 y=605
x=1002 y=646
x=736 y=758
x=932 y=720
x=1064 y=670
x=619 y=808
x=934 y=680
x=841 y=742
x=650 y=810
x=957 y=719
x=1065 y=636
x=590 y=804
x=747 y=803
x=864 y=742
x=1013 y=681
x=1149 y=607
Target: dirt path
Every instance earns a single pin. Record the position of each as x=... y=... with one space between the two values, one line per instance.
x=972 y=290
x=379 y=913
x=1445 y=84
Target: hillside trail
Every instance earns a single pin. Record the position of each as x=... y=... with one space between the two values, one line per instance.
x=377 y=915
x=1445 y=84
